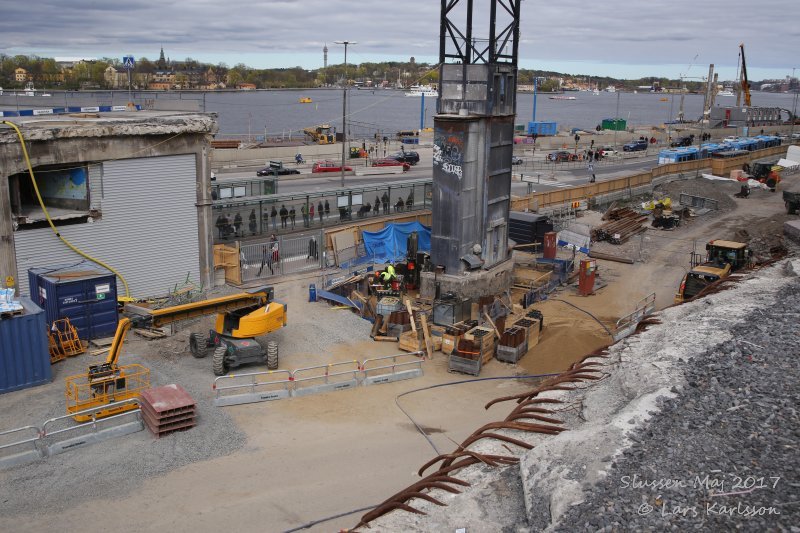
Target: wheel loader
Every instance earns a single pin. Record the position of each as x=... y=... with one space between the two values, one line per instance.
x=722 y=257
x=240 y=318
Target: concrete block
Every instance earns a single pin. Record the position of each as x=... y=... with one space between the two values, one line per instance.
x=791 y=229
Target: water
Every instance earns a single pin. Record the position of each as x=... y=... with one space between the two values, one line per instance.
x=387 y=111
x=251 y=114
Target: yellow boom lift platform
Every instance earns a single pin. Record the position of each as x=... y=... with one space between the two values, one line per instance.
x=240 y=318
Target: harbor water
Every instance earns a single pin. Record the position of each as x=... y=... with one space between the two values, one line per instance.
x=280 y=114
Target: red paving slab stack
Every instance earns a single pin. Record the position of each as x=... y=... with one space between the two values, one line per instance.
x=167 y=409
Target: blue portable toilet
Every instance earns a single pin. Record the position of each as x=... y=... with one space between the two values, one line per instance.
x=83 y=292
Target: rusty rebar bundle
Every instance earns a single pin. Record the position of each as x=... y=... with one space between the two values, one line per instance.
x=528 y=416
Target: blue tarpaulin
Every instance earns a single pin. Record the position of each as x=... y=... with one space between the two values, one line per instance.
x=389 y=244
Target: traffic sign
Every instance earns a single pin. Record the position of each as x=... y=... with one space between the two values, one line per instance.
x=128 y=62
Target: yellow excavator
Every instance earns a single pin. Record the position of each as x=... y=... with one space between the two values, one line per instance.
x=240 y=318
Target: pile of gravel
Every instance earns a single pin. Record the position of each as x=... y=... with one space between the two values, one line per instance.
x=723 y=453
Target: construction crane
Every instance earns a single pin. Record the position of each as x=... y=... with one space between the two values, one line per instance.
x=240 y=318
x=745 y=84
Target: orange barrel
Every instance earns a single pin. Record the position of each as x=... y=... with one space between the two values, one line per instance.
x=586 y=276
x=550 y=245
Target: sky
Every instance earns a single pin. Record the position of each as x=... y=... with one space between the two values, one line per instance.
x=627 y=40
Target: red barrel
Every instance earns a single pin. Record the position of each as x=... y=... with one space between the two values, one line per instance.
x=586 y=277
x=550 y=245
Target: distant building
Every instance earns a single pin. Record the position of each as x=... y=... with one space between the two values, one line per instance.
x=115 y=79
x=246 y=86
x=20 y=75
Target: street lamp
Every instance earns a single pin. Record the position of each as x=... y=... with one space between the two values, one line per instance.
x=344 y=104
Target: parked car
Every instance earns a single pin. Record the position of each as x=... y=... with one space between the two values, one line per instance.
x=635 y=146
x=561 y=155
x=730 y=139
x=795 y=136
x=411 y=158
x=328 y=166
x=516 y=160
x=389 y=162
x=272 y=171
x=607 y=151
x=688 y=140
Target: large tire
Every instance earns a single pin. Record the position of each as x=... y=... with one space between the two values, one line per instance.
x=218 y=362
x=272 y=355
x=198 y=346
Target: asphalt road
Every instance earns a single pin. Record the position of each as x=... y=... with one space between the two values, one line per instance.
x=544 y=177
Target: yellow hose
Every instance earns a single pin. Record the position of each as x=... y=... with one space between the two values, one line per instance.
x=50 y=221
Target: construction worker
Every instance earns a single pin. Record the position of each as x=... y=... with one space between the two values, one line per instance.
x=387 y=276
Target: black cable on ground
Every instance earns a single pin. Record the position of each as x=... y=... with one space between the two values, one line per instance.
x=584 y=311
x=461 y=382
x=334 y=517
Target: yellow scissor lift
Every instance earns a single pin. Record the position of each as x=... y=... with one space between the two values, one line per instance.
x=240 y=318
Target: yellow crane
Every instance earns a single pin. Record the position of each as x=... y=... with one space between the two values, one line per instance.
x=240 y=318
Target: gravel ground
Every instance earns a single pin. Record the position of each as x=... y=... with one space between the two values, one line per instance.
x=120 y=465
x=723 y=453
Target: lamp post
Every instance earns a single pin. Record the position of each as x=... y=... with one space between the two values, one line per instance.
x=344 y=104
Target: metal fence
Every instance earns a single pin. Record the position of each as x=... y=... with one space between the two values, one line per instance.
x=236 y=389
x=63 y=433
x=283 y=255
x=252 y=216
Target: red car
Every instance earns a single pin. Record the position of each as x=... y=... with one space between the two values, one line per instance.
x=388 y=162
x=329 y=166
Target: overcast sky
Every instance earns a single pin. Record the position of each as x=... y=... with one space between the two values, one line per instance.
x=623 y=39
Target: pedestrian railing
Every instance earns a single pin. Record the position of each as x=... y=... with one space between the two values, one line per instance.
x=294 y=254
x=236 y=389
x=627 y=324
x=391 y=368
x=19 y=451
x=61 y=434
x=325 y=378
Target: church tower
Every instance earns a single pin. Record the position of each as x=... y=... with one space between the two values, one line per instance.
x=162 y=63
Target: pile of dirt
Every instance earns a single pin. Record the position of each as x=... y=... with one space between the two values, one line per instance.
x=721 y=191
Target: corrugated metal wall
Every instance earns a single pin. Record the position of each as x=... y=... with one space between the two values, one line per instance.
x=148 y=229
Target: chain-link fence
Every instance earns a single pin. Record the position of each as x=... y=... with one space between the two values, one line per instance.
x=282 y=255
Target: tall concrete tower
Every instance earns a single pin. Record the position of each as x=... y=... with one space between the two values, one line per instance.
x=325 y=56
x=473 y=144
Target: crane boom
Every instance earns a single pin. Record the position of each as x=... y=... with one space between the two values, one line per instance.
x=745 y=83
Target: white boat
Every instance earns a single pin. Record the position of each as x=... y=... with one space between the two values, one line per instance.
x=726 y=92
x=30 y=91
x=562 y=98
x=419 y=90
x=595 y=92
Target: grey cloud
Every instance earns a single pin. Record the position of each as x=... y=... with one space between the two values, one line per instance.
x=668 y=33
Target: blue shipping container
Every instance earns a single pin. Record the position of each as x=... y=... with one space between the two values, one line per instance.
x=542 y=128
x=24 y=355
x=83 y=292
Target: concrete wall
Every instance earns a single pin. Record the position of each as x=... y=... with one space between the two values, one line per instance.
x=61 y=140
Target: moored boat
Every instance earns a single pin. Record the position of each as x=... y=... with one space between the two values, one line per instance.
x=420 y=90
x=305 y=100
x=560 y=97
